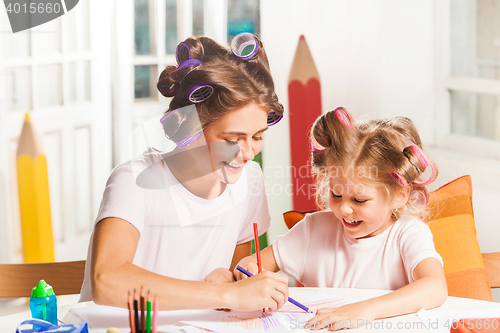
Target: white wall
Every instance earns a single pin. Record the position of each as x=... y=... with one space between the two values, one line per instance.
x=374 y=57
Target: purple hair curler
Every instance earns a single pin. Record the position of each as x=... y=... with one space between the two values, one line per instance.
x=182 y=53
x=189 y=63
x=245 y=46
x=273 y=118
x=199 y=93
x=182 y=125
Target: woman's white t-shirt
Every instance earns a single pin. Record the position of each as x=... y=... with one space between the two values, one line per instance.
x=181 y=235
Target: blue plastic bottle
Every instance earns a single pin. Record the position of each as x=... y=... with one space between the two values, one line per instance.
x=43 y=303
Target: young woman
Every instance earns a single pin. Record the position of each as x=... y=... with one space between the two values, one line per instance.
x=177 y=223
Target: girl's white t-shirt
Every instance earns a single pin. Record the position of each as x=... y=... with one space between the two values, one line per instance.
x=181 y=235
x=318 y=253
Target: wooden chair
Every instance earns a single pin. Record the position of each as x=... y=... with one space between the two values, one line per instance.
x=17 y=280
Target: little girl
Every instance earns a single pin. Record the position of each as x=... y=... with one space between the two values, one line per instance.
x=372 y=235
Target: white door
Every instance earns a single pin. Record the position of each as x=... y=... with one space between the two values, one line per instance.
x=61 y=72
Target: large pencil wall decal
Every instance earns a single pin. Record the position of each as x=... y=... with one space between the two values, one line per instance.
x=304 y=97
x=34 y=200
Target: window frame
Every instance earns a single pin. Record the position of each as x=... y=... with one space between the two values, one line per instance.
x=445 y=83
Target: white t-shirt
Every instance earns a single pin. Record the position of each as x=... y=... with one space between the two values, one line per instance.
x=318 y=253
x=181 y=235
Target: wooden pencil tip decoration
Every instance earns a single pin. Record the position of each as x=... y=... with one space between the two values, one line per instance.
x=304 y=97
x=34 y=199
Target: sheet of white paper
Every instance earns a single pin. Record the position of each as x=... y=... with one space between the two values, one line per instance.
x=442 y=321
x=288 y=319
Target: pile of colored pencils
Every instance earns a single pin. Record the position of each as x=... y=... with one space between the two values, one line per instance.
x=142 y=323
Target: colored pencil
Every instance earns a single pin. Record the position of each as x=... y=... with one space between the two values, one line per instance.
x=155 y=314
x=304 y=99
x=257 y=247
x=291 y=300
x=136 y=314
x=34 y=199
x=130 y=314
x=148 y=317
x=143 y=314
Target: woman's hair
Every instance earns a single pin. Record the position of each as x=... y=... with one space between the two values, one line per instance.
x=384 y=153
x=236 y=82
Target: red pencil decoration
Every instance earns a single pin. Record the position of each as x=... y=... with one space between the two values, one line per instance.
x=304 y=97
x=155 y=314
x=130 y=314
x=257 y=247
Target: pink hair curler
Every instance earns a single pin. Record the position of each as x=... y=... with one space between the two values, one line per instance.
x=419 y=197
x=424 y=161
x=315 y=146
x=400 y=179
x=344 y=116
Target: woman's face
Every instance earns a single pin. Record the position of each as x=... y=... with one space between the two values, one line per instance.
x=242 y=128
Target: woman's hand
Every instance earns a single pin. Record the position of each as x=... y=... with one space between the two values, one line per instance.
x=344 y=317
x=250 y=264
x=220 y=275
x=265 y=290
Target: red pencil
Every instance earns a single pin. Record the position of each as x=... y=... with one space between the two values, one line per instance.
x=257 y=247
x=155 y=314
x=131 y=314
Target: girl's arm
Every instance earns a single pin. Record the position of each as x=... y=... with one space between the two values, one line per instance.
x=250 y=263
x=113 y=274
x=428 y=291
x=224 y=275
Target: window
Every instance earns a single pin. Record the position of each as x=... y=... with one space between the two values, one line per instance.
x=474 y=72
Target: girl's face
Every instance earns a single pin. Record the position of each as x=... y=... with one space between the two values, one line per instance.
x=362 y=209
x=243 y=127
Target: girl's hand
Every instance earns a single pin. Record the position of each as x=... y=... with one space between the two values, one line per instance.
x=248 y=263
x=220 y=275
x=344 y=317
x=266 y=290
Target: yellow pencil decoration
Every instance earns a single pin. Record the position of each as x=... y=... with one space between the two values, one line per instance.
x=34 y=199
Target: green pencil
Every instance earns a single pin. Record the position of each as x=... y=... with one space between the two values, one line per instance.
x=148 y=316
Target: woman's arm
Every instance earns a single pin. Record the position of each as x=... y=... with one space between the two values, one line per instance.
x=113 y=274
x=428 y=291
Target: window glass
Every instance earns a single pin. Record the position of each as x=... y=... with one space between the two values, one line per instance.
x=145 y=82
x=18 y=92
x=47 y=38
x=50 y=85
x=243 y=16
x=475 y=38
x=144 y=27
x=171 y=26
x=475 y=114
x=198 y=18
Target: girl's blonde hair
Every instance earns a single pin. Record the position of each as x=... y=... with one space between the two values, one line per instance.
x=377 y=152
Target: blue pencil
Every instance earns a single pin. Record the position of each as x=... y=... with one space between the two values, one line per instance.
x=291 y=300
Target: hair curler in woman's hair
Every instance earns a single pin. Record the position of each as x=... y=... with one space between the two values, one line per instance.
x=245 y=46
x=273 y=118
x=196 y=93
x=182 y=53
x=182 y=125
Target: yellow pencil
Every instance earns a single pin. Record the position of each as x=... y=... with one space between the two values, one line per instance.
x=34 y=200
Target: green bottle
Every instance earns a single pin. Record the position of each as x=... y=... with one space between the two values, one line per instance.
x=43 y=303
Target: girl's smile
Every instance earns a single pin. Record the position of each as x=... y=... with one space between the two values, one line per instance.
x=363 y=210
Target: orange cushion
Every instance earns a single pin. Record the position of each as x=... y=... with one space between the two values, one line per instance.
x=452 y=224
x=451 y=221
